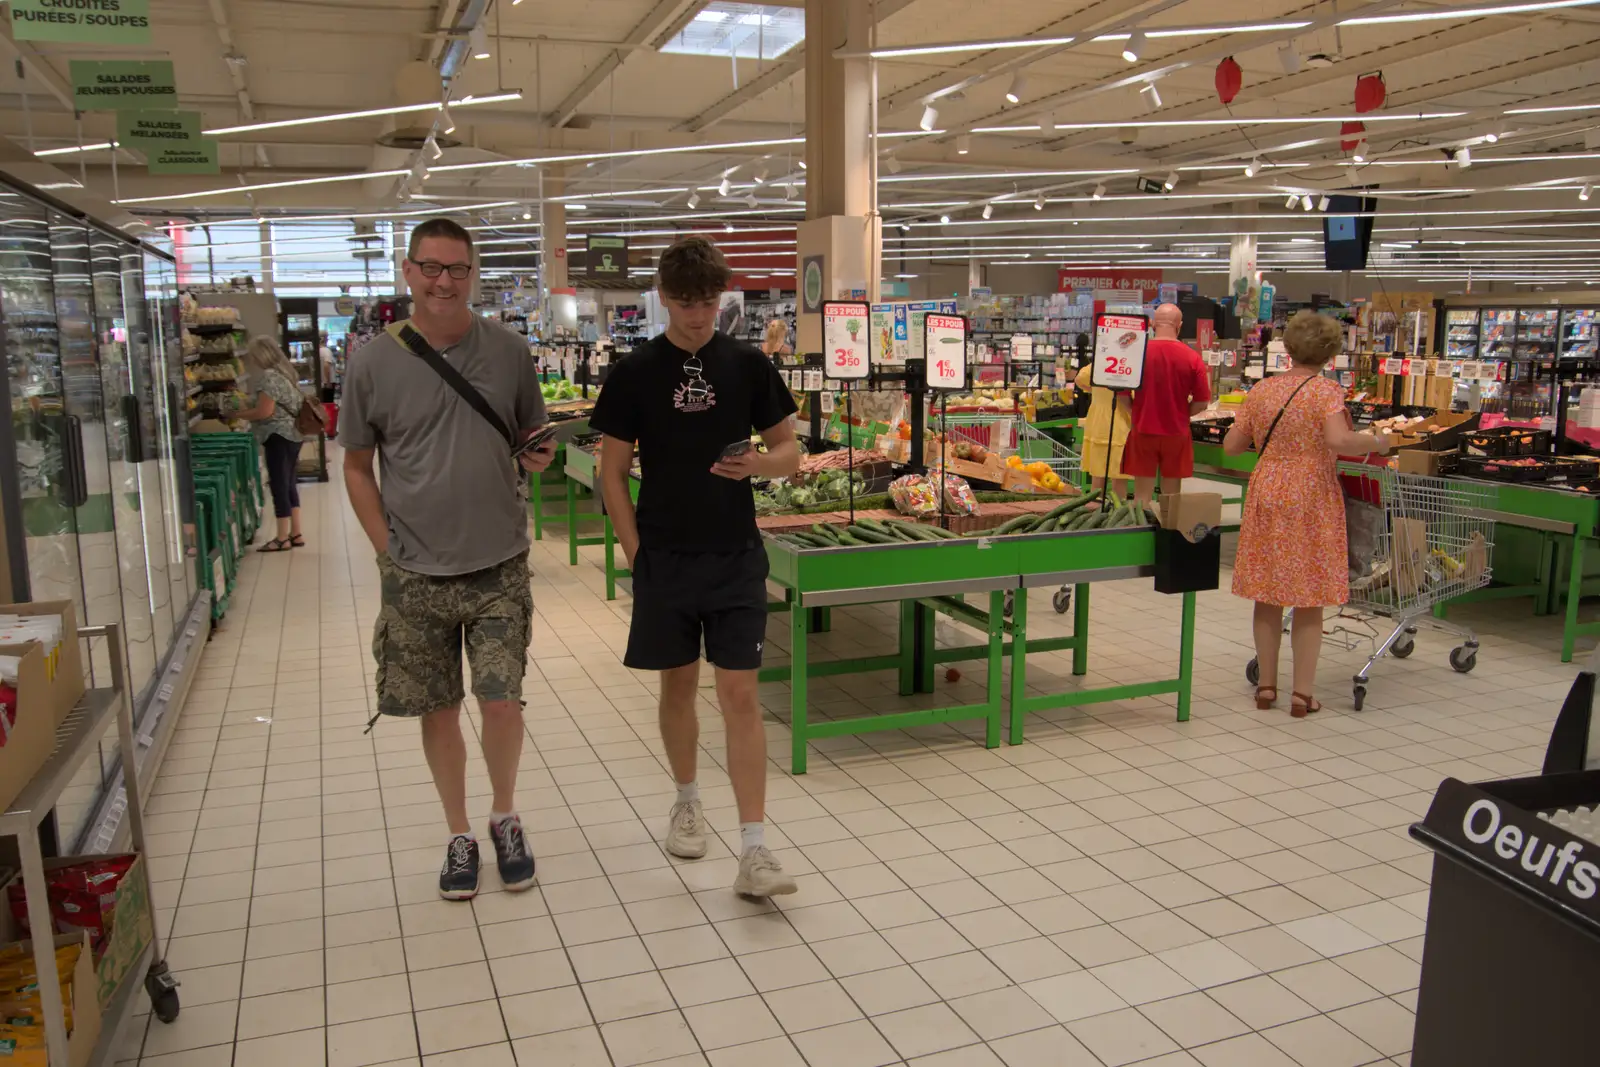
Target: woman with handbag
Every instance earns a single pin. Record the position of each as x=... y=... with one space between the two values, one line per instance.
x=275 y=414
x=1292 y=551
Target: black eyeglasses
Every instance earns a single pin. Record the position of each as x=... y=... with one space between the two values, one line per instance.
x=431 y=269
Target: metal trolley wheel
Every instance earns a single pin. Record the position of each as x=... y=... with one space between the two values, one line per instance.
x=1062 y=600
x=1464 y=657
x=1358 y=693
x=1252 y=671
x=163 y=991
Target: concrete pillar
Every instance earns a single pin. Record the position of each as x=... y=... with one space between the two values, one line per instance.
x=267 y=261
x=974 y=275
x=840 y=239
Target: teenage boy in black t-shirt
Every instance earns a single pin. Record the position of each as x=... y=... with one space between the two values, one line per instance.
x=699 y=568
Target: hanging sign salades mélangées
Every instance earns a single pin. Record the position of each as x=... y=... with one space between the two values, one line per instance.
x=1119 y=342
x=946 y=347
x=123 y=85
x=147 y=130
x=846 y=339
x=81 y=21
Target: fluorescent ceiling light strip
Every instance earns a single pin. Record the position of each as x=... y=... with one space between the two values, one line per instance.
x=628 y=192
x=1464 y=12
x=1006 y=175
x=1242 y=120
x=409 y=213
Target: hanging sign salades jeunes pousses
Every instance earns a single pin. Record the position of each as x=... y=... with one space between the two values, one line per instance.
x=81 y=21
x=187 y=157
x=149 y=130
x=123 y=85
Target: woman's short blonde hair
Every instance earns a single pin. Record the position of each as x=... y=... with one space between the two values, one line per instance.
x=777 y=332
x=1312 y=339
x=263 y=354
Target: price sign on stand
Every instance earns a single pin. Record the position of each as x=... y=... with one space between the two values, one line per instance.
x=846 y=339
x=1119 y=343
x=946 y=348
x=1391 y=365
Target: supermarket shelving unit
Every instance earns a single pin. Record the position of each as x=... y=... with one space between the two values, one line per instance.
x=76 y=738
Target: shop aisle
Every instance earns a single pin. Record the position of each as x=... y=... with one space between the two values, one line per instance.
x=1235 y=892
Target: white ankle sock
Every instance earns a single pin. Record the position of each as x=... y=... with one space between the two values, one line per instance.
x=688 y=792
x=498 y=817
x=751 y=835
x=469 y=835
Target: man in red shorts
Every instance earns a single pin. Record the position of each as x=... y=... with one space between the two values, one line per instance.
x=1176 y=385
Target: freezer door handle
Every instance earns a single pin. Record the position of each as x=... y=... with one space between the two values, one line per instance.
x=74 y=469
x=134 y=421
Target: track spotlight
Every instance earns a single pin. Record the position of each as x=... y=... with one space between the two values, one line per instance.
x=963 y=144
x=1583 y=194
x=1151 y=96
x=1353 y=173
x=694 y=200
x=1047 y=122
x=905 y=227
x=1463 y=157
x=893 y=163
x=1135 y=45
x=1291 y=202
x=944 y=220
x=433 y=146
x=750 y=201
x=1360 y=153
x=1099 y=190
x=727 y=227
x=446 y=123
x=1019 y=85
x=803 y=164
x=1289 y=58
x=1322 y=203
x=988 y=211
x=1251 y=168
x=722 y=189
x=1038 y=202
x=1172 y=180
x=478 y=42
x=1495 y=132
x=930 y=118
x=1305 y=203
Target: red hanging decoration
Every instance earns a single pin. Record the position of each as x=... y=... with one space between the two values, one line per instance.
x=1228 y=79
x=1351 y=134
x=1370 y=92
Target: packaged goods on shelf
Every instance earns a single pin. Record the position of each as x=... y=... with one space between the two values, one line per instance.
x=22 y=1033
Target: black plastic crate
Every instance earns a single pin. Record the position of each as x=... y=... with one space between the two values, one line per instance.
x=1506 y=441
x=1496 y=468
x=1575 y=469
x=1210 y=431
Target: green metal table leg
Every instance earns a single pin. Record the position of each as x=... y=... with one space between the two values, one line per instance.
x=992 y=685
x=798 y=674
x=1544 y=604
x=908 y=651
x=1080 y=629
x=572 y=523
x=611 y=559
x=928 y=640
x=1186 y=658
x=1574 y=596
x=1019 y=662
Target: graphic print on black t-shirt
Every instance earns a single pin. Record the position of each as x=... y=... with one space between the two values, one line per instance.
x=681 y=409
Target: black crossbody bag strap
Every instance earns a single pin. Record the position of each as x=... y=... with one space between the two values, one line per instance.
x=1268 y=439
x=419 y=347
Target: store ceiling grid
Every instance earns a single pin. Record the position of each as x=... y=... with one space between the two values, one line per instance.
x=595 y=81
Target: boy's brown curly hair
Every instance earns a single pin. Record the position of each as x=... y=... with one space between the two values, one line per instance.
x=693 y=269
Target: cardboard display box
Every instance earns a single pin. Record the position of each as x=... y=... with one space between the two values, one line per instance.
x=65 y=680
x=1187 y=512
x=85 y=1008
x=32 y=737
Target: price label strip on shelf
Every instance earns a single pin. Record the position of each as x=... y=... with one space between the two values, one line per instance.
x=946 y=348
x=846 y=339
x=1119 y=344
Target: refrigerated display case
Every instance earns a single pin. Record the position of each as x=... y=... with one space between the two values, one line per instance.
x=1498 y=333
x=95 y=493
x=1536 y=333
x=1580 y=333
x=1461 y=333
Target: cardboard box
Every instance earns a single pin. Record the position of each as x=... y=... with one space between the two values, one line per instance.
x=65 y=678
x=85 y=1008
x=33 y=736
x=1191 y=514
x=1419 y=460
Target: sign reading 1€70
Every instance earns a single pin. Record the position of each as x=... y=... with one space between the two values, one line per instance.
x=946 y=349
x=846 y=339
x=1119 y=342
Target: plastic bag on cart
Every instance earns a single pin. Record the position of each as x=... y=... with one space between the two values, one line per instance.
x=1363 y=522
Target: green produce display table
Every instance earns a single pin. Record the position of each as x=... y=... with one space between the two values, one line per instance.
x=581 y=470
x=936 y=578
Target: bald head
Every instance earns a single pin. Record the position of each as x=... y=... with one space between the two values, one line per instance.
x=1166 y=322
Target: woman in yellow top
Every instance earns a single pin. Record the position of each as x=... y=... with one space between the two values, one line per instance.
x=1102 y=431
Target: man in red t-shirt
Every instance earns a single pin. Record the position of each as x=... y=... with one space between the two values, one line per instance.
x=1176 y=385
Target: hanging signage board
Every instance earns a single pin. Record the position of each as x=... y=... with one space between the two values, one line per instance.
x=846 y=339
x=1147 y=281
x=188 y=157
x=945 y=341
x=1119 y=343
x=81 y=21
x=149 y=130
x=607 y=257
x=123 y=85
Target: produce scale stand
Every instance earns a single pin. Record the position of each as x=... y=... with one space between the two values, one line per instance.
x=582 y=468
x=77 y=737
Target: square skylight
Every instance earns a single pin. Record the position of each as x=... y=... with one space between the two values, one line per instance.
x=748 y=31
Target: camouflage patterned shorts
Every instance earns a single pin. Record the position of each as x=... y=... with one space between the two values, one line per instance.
x=421 y=626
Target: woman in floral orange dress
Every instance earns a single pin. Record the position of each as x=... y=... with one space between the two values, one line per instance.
x=1292 y=550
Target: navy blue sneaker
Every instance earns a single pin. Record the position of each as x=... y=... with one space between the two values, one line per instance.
x=512 y=855
x=459 y=878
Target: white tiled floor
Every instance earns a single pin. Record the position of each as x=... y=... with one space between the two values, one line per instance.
x=1237 y=891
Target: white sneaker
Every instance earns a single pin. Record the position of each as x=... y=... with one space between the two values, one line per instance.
x=686 y=830
x=761 y=875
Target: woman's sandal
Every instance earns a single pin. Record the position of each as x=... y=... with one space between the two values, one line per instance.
x=1301 y=705
x=1265 y=703
x=297 y=541
x=277 y=544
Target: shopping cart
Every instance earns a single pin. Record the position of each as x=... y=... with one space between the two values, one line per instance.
x=1011 y=435
x=1415 y=542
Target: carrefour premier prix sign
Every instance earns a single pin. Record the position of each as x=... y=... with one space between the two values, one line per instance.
x=94 y=21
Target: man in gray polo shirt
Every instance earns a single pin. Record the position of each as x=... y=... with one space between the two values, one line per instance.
x=451 y=532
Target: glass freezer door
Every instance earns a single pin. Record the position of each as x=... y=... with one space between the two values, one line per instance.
x=1579 y=339
x=171 y=427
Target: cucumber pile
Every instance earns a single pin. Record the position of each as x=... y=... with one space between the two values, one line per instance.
x=864 y=531
x=1076 y=515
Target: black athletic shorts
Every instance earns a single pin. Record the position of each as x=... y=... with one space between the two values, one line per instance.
x=682 y=598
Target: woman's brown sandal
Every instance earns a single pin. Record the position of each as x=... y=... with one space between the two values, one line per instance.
x=1265 y=703
x=1301 y=705
x=277 y=544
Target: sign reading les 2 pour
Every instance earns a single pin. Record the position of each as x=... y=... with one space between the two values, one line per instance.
x=1119 y=342
x=98 y=21
x=846 y=338
x=946 y=348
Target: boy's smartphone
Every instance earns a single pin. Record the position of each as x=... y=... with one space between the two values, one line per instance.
x=735 y=450
x=536 y=440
